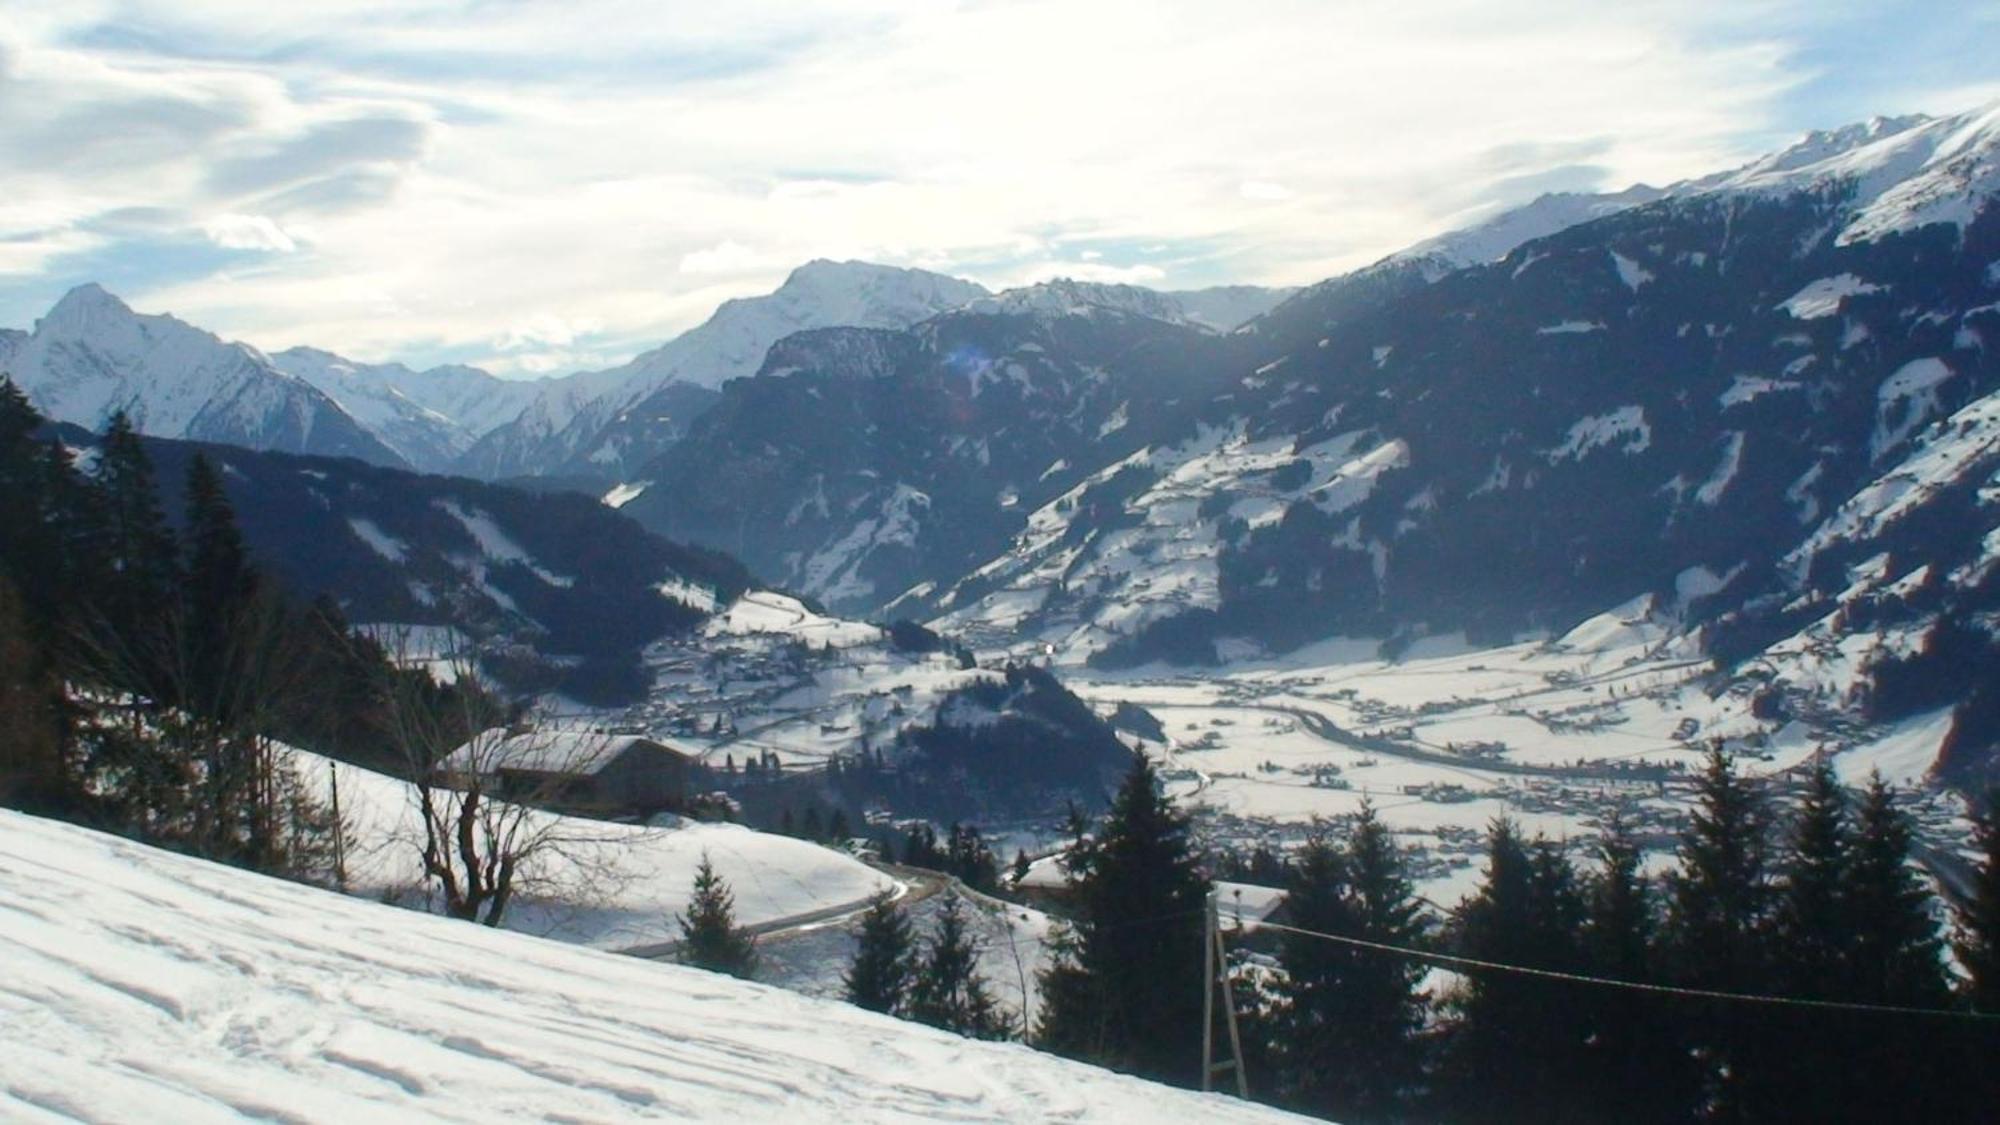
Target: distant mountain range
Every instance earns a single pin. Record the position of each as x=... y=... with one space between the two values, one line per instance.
x=1763 y=401
x=93 y=355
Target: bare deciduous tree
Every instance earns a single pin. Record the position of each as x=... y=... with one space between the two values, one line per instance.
x=484 y=835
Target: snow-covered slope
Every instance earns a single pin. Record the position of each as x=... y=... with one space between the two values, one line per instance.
x=429 y=417
x=612 y=886
x=1492 y=239
x=92 y=355
x=146 y=986
x=1900 y=172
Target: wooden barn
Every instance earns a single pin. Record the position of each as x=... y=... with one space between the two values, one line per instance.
x=591 y=772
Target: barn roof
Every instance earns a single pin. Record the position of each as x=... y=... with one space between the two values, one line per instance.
x=578 y=752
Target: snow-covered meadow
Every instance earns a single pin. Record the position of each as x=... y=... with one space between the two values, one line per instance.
x=147 y=986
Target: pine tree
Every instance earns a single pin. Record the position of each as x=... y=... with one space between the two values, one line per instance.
x=1718 y=925
x=220 y=580
x=1721 y=895
x=1897 y=952
x=1812 y=912
x=1633 y=1070
x=947 y=990
x=1347 y=1032
x=1896 y=957
x=709 y=937
x=139 y=547
x=884 y=958
x=1516 y=1041
x=1119 y=991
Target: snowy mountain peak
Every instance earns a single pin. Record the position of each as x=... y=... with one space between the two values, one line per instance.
x=1899 y=173
x=83 y=304
x=92 y=356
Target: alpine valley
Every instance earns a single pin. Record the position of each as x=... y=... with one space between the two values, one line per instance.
x=1509 y=521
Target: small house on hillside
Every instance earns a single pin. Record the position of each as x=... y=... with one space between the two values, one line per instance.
x=575 y=771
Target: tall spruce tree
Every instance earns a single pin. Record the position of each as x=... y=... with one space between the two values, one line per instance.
x=884 y=958
x=1897 y=951
x=947 y=990
x=1896 y=957
x=1811 y=930
x=1632 y=1070
x=1721 y=894
x=139 y=548
x=1125 y=987
x=1346 y=1036
x=709 y=936
x=1515 y=1042
x=1812 y=910
x=1718 y=937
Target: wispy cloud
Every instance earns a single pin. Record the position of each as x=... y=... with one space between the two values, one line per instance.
x=435 y=179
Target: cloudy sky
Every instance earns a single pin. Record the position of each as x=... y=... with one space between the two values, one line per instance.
x=542 y=186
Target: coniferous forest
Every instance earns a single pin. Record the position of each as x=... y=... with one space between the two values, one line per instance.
x=1793 y=965
x=150 y=663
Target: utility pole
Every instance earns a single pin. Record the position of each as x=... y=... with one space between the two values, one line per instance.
x=1215 y=974
x=339 y=830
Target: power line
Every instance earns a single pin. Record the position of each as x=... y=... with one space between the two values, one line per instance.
x=1634 y=986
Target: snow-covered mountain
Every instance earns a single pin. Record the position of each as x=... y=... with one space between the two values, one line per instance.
x=862 y=461
x=430 y=418
x=608 y=423
x=1671 y=393
x=1682 y=397
x=602 y=422
x=161 y=987
x=92 y=355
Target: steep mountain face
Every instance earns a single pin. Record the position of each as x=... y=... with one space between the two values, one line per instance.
x=605 y=423
x=1729 y=396
x=861 y=462
x=430 y=418
x=92 y=355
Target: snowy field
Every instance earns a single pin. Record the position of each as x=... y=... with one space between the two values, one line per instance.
x=144 y=986
x=613 y=886
x=1554 y=733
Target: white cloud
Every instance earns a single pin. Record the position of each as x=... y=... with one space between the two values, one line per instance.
x=248 y=232
x=1141 y=274
x=727 y=258
x=624 y=165
x=545 y=332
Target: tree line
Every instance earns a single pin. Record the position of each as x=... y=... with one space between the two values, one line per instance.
x=149 y=667
x=1815 y=898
